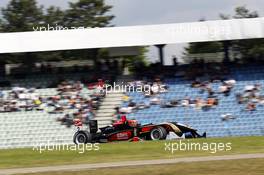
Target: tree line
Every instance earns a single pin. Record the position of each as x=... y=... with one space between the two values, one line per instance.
x=247 y=50
x=27 y=15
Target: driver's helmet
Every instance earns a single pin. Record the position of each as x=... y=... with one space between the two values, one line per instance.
x=132 y=123
x=122 y=121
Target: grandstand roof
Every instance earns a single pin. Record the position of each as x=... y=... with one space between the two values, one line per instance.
x=132 y=36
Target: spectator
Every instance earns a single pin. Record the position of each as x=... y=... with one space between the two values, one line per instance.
x=199 y=103
x=185 y=102
x=155 y=101
x=251 y=107
x=196 y=84
x=225 y=89
x=230 y=82
x=226 y=117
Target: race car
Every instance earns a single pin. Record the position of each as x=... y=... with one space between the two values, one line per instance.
x=124 y=130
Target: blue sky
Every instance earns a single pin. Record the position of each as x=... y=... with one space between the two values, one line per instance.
x=144 y=12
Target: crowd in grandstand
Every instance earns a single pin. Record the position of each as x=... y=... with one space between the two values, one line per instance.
x=69 y=95
x=19 y=99
x=202 y=77
x=251 y=96
x=68 y=98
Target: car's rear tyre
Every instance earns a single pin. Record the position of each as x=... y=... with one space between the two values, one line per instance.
x=158 y=133
x=82 y=137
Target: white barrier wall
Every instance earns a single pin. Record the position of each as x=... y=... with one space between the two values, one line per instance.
x=132 y=36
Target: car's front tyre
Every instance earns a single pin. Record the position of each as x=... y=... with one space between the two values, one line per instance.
x=158 y=133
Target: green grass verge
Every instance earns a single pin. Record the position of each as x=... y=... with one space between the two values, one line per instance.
x=123 y=151
x=234 y=167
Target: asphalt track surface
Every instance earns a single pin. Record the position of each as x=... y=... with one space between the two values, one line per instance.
x=81 y=167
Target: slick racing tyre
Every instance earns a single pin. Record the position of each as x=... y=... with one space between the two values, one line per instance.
x=158 y=133
x=82 y=137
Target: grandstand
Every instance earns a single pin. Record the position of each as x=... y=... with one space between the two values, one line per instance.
x=246 y=123
x=25 y=124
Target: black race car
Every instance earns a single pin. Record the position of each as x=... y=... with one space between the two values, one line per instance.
x=128 y=129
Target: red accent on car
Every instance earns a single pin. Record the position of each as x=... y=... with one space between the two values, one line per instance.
x=125 y=135
x=100 y=83
x=92 y=86
x=146 y=129
x=135 y=139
